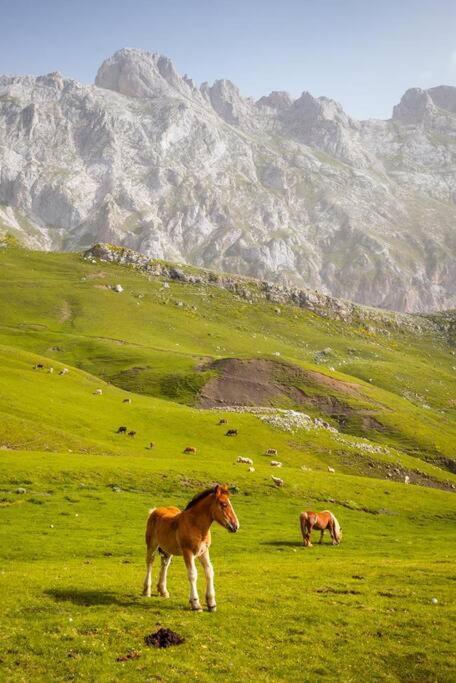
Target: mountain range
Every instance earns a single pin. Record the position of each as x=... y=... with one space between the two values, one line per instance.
x=293 y=191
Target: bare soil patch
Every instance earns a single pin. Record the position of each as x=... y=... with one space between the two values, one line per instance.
x=164 y=637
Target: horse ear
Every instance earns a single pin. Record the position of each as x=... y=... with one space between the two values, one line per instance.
x=217 y=489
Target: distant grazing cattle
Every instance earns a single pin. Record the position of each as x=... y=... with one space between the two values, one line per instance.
x=271 y=451
x=277 y=481
x=223 y=421
x=132 y=434
x=190 y=449
x=276 y=463
x=38 y=366
x=245 y=461
x=64 y=371
x=126 y=400
x=231 y=432
x=122 y=430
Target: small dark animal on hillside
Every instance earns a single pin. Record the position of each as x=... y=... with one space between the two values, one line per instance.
x=122 y=430
x=271 y=451
x=231 y=432
x=38 y=366
x=223 y=421
x=320 y=521
x=190 y=449
x=126 y=400
x=151 y=445
x=132 y=434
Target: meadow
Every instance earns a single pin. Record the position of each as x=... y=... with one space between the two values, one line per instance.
x=74 y=495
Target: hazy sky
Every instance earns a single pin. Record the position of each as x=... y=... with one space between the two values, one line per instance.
x=363 y=53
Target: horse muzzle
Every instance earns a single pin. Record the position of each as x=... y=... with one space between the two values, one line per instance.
x=232 y=528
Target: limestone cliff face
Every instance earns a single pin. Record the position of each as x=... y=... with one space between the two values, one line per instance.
x=296 y=192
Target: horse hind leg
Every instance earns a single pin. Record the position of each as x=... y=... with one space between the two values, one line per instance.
x=165 y=562
x=150 y=556
x=321 y=536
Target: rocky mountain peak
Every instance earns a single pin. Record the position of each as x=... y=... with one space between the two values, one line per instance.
x=137 y=73
x=414 y=106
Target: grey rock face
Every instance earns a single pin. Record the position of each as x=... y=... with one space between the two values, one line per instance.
x=294 y=192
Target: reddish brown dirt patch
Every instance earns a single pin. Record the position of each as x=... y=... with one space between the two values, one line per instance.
x=322 y=380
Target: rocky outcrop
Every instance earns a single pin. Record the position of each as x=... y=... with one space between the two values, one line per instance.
x=251 y=290
x=295 y=192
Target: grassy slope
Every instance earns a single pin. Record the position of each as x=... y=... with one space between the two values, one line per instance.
x=285 y=612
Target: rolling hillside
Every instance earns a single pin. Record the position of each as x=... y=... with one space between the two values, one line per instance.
x=379 y=398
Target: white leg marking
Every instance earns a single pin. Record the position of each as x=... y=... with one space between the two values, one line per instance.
x=161 y=586
x=148 y=578
x=192 y=577
x=209 y=572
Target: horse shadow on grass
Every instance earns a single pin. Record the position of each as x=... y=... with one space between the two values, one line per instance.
x=284 y=544
x=91 y=598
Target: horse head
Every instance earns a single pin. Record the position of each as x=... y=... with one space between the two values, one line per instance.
x=222 y=510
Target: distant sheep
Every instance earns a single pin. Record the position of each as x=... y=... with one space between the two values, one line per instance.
x=231 y=432
x=276 y=463
x=50 y=371
x=271 y=451
x=132 y=434
x=245 y=461
x=251 y=469
x=63 y=371
x=331 y=469
x=277 y=481
x=122 y=430
x=190 y=449
x=406 y=479
x=98 y=392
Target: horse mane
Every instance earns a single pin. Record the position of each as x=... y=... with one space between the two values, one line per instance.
x=199 y=496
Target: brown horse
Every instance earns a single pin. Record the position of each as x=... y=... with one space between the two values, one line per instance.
x=320 y=521
x=187 y=533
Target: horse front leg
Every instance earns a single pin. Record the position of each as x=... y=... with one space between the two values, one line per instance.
x=192 y=574
x=150 y=555
x=161 y=586
x=209 y=572
x=321 y=536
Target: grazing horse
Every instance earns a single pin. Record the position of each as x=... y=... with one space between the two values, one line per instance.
x=231 y=432
x=320 y=521
x=122 y=430
x=187 y=533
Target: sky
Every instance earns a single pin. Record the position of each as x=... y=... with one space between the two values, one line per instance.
x=363 y=53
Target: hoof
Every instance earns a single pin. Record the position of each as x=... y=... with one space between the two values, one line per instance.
x=164 y=595
x=212 y=608
x=195 y=607
x=146 y=594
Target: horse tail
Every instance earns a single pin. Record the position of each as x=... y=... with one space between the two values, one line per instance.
x=149 y=526
x=337 y=529
x=303 y=517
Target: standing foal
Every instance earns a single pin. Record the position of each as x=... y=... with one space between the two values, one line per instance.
x=187 y=533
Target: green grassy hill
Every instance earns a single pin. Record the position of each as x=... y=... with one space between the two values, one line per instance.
x=72 y=543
